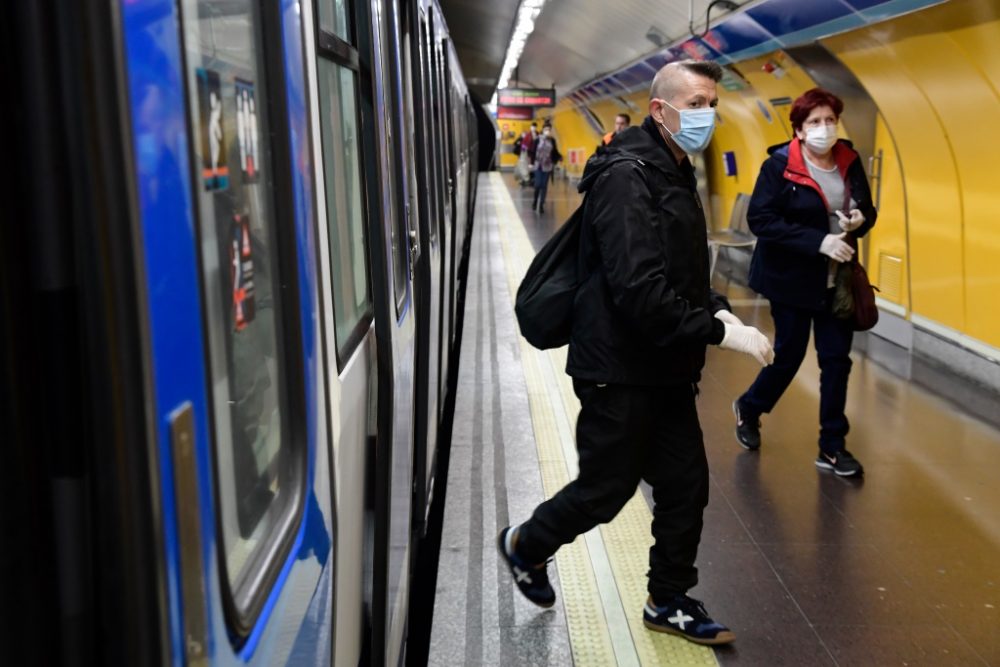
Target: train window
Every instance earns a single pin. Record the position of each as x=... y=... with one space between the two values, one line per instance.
x=333 y=18
x=340 y=76
x=345 y=215
x=259 y=468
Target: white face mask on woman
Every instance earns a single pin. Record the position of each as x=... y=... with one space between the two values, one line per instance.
x=821 y=138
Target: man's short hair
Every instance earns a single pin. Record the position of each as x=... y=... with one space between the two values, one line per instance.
x=628 y=119
x=663 y=86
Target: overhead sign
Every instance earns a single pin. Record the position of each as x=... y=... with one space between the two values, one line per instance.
x=515 y=113
x=527 y=97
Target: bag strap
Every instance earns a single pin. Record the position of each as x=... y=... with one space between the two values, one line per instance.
x=847 y=194
x=583 y=265
x=851 y=238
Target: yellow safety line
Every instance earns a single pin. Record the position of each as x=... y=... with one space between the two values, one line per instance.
x=589 y=638
x=626 y=539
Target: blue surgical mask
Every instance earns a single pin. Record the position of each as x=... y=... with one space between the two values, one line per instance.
x=695 y=130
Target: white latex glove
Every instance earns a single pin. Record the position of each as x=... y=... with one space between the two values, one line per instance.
x=749 y=341
x=835 y=247
x=849 y=224
x=728 y=318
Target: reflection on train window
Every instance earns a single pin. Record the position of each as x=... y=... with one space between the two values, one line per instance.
x=333 y=18
x=257 y=467
x=392 y=114
x=345 y=217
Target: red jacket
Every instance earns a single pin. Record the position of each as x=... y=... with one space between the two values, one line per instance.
x=789 y=215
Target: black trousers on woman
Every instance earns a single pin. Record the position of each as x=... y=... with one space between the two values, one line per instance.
x=833 y=347
x=625 y=434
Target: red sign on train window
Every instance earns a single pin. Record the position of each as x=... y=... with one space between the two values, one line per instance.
x=527 y=97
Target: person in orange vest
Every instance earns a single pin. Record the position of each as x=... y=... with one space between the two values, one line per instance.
x=622 y=121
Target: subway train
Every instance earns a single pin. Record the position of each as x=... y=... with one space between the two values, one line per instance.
x=233 y=254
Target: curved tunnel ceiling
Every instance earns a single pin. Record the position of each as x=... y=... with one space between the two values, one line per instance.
x=573 y=41
x=481 y=31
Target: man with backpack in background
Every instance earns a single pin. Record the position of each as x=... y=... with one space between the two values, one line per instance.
x=642 y=316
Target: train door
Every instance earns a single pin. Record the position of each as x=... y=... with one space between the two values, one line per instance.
x=448 y=164
x=459 y=166
x=395 y=330
x=439 y=158
x=230 y=295
x=343 y=175
x=428 y=269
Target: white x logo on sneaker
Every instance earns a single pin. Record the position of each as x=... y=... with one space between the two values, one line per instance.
x=680 y=619
x=522 y=575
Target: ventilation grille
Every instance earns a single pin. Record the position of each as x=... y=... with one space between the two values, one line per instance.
x=890 y=277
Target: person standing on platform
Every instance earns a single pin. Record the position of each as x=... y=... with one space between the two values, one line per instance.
x=642 y=319
x=524 y=167
x=545 y=156
x=811 y=194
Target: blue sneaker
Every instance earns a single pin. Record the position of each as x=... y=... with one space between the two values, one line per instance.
x=531 y=580
x=686 y=617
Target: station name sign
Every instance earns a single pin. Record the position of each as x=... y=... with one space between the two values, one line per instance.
x=527 y=97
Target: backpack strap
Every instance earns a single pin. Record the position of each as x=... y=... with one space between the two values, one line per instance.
x=584 y=264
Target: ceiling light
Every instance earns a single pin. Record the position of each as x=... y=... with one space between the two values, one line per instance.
x=526 y=15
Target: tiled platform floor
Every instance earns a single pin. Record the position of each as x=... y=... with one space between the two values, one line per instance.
x=900 y=568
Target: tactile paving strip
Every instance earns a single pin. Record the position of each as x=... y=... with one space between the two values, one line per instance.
x=588 y=630
x=626 y=540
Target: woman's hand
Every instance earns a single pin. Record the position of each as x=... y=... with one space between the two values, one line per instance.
x=835 y=247
x=849 y=224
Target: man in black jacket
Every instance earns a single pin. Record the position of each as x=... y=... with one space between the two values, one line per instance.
x=642 y=319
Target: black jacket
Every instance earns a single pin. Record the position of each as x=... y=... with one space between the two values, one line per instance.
x=788 y=214
x=643 y=314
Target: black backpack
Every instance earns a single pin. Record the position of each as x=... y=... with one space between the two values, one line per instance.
x=517 y=146
x=544 y=303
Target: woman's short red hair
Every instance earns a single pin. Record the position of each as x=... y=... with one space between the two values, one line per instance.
x=809 y=100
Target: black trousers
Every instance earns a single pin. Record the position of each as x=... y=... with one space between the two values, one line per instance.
x=625 y=434
x=833 y=347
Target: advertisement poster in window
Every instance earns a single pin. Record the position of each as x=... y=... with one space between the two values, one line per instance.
x=214 y=172
x=246 y=130
x=241 y=272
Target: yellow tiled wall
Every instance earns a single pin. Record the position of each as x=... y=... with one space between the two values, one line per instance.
x=934 y=76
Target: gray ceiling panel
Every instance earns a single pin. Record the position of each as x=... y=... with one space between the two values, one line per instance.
x=481 y=31
x=576 y=40
x=573 y=41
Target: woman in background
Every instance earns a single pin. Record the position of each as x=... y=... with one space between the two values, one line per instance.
x=811 y=196
x=545 y=156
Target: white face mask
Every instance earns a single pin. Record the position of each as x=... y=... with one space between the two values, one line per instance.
x=822 y=138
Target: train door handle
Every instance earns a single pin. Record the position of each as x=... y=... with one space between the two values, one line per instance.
x=414 y=250
x=192 y=572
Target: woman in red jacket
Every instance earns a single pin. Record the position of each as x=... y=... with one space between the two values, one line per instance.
x=811 y=194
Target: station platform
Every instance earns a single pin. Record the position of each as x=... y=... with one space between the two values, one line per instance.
x=901 y=567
